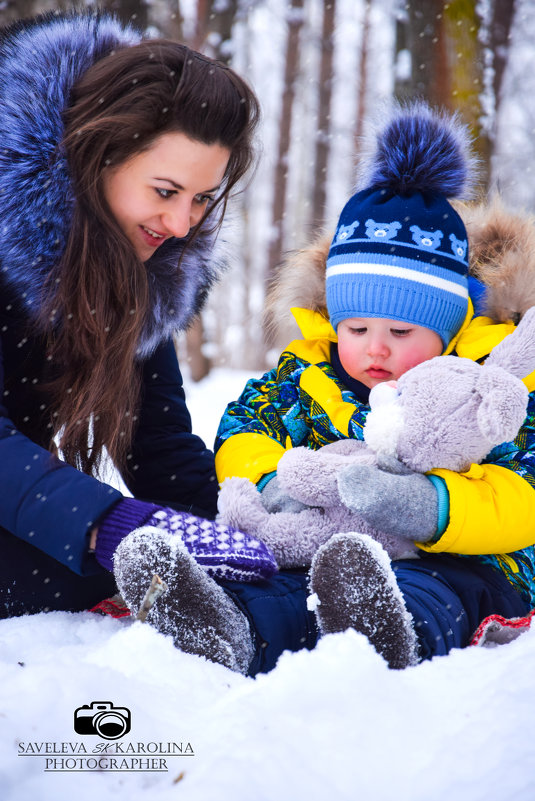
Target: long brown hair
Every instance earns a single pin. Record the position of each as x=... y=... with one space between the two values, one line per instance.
x=97 y=299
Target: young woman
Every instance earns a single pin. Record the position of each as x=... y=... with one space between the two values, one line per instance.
x=117 y=159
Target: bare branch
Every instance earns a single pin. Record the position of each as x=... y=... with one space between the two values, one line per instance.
x=157 y=588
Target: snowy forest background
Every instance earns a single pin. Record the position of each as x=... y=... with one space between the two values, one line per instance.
x=333 y=722
x=321 y=71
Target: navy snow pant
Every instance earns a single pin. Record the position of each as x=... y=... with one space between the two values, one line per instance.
x=278 y=616
x=449 y=596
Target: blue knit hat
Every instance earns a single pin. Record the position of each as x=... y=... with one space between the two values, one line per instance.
x=400 y=250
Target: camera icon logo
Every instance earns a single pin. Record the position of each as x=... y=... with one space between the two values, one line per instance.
x=103 y=719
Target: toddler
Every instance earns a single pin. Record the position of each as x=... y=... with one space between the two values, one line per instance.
x=396 y=294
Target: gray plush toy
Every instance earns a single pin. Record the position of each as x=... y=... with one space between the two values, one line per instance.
x=448 y=412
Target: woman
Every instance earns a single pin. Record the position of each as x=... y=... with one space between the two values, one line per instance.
x=117 y=160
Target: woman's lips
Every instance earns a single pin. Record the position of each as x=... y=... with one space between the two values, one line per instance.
x=153 y=241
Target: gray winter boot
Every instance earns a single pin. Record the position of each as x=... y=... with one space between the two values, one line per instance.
x=195 y=611
x=357 y=588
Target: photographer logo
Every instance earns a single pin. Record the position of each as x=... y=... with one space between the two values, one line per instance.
x=110 y=752
x=103 y=719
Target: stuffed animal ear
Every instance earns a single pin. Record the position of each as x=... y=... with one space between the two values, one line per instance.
x=503 y=407
x=516 y=353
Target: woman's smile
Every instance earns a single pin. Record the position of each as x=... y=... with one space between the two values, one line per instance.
x=152 y=238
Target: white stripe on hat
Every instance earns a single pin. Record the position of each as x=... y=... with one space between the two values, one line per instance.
x=393 y=271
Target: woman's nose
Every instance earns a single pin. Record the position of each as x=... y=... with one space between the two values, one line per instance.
x=180 y=219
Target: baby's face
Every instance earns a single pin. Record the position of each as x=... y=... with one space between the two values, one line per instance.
x=373 y=349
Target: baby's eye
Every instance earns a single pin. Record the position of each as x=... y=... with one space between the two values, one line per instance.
x=357 y=331
x=400 y=332
x=165 y=193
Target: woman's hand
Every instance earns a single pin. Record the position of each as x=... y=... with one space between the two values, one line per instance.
x=93 y=539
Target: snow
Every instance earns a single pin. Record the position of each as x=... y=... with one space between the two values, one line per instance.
x=330 y=723
x=334 y=722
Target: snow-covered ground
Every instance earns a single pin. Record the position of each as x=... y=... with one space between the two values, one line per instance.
x=333 y=723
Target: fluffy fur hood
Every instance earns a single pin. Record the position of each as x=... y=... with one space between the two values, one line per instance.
x=502 y=256
x=40 y=60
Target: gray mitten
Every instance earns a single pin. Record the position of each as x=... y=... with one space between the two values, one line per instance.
x=275 y=499
x=403 y=505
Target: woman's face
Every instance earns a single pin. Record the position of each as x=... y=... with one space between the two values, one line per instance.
x=163 y=191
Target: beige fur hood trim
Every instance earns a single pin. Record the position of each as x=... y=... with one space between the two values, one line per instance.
x=502 y=256
x=300 y=281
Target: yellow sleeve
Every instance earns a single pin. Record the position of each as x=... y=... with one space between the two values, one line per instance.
x=492 y=510
x=248 y=456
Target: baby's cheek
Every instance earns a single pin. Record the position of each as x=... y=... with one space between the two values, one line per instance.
x=350 y=358
x=414 y=359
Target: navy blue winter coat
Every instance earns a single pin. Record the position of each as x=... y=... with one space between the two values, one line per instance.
x=43 y=501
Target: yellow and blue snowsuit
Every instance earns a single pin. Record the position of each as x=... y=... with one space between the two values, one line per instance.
x=304 y=402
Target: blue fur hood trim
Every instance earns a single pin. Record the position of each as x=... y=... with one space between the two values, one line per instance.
x=418 y=149
x=40 y=61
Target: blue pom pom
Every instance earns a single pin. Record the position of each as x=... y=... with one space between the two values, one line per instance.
x=422 y=150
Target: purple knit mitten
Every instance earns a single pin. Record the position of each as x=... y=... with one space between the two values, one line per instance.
x=222 y=551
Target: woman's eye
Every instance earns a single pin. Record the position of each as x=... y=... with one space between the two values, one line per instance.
x=165 y=193
x=202 y=199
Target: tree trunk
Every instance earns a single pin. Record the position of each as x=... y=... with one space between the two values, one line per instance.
x=494 y=51
x=132 y=12
x=295 y=22
x=420 y=33
x=199 y=364
x=166 y=15
x=360 y=115
x=319 y=193
x=502 y=20
x=452 y=51
x=213 y=32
